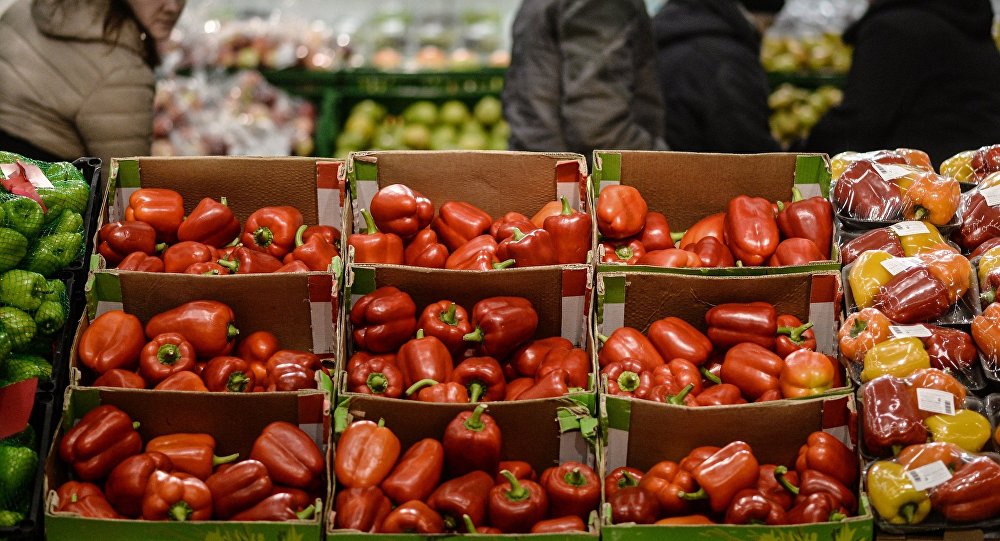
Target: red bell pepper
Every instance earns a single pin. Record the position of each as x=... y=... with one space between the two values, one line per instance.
x=472 y=441
x=448 y=322
x=864 y=193
x=553 y=384
x=211 y=222
x=424 y=250
x=183 y=381
x=127 y=482
x=272 y=230
x=285 y=375
x=92 y=506
x=628 y=343
x=817 y=507
x=361 y=509
x=365 y=454
x=676 y=375
x=950 y=349
x=736 y=323
x=257 y=347
x=316 y=253
x=238 y=488
x=466 y=495
x=806 y=373
x=383 y=320
x=176 y=496
x=71 y=491
x=502 y=324
x=113 y=340
x=551 y=208
x=275 y=508
x=571 y=234
x=751 y=231
x=772 y=481
x=429 y=390
x=724 y=394
x=400 y=210
x=503 y=227
x=417 y=473
x=721 y=476
x=913 y=296
x=750 y=506
x=672 y=258
x=559 y=525
x=808 y=219
x=813 y=482
x=980 y=222
x=374 y=374
x=709 y=226
x=458 y=222
x=883 y=239
x=675 y=338
x=373 y=246
x=424 y=357
x=793 y=335
x=483 y=377
x=621 y=211
x=532 y=249
x=655 y=233
x=209 y=326
x=526 y=360
x=823 y=452
x=624 y=252
x=213 y=268
x=190 y=453
x=412 y=517
x=291 y=456
x=972 y=494
x=753 y=369
x=466 y=254
x=712 y=252
x=164 y=355
x=517 y=387
x=982 y=249
x=890 y=417
x=517 y=505
x=98 y=442
x=119 y=239
x=633 y=504
x=520 y=469
x=228 y=374
x=141 y=262
x=796 y=251
x=573 y=489
x=116 y=377
x=621 y=477
x=666 y=481
x=161 y=208
x=576 y=362
x=246 y=261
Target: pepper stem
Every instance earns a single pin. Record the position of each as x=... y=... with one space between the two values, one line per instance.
x=627 y=480
x=908 y=511
x=693 y=496
x=836 y=516
x=797 y=194
x=448 y=316
x=988 y=297
x=676 y=236
x=475 y=422
x=233 y=266
x=504 y=264
x=795 y=333
x=624 y=252
x=601 y=338
x=377 y=382
x=474 y=336
x=218 y=460
x=381 y=422
x=237 y=382
x=475 y=392
x=710 y=376
x=298 y=234
x=213 y=272
x=575 y=478
x=628 y=381
x=263 y=237
x=566 y=209
x=678 y=398
x=232 y=332
x=168 y=354
x=234 y=242
x=420 y=385
x=180 y=511
x=919 y=212
x=160 y=247
x=780 y=205
x=135 y=425
x=469 y=525
x=518 y=235
x=779 y=474
x=224 y=201
x=859 y=327
x=306 y=513
x=516 y=492
x=420 y=334
x=370 y=227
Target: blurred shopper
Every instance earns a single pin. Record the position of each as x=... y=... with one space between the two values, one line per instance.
x=714 y=87
x=925 y=74
x=76 y=76
x=582 y=77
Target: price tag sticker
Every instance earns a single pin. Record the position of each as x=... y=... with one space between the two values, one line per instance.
x=891 y=171
x=905 y=229
x=897 y=265
x=908 y=331
x=935 y=401
x=991 y=195
x=929 y=476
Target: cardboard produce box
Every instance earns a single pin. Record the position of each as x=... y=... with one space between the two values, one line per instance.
x=301 y=309
x=688 y=186
x=497 y=182
x=248 y=184
x=542 y=433
x=234 y=421
x=561 y=296
x=775 y=431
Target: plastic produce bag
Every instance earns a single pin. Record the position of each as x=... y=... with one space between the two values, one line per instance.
x=886 y=188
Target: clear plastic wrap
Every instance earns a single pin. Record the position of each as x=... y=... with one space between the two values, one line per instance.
x=972 y=166
x=880 y=191
x=980 y=217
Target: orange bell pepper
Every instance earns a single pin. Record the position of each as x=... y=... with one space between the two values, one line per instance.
x=951 y=268
x=915 y=456
x=986 y=332
x=932 y=378
x=934 y=198
x=806 y=373
x=861 y=331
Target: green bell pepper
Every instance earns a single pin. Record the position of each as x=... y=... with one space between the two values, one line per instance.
x=13 y=248
x=24 y=216
x=19 y=325
x=67 y=222
x=63 y=171
x=24 y=438
x=23 y=289
x=67 y=194
x=17 y=475
x=54 y=253
x=57 y=292
x=50 y=317
x=19 y=367
x=9 y=519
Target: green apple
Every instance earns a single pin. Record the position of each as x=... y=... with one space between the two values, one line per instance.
x=421 y=112
x=454 y=112
x=416 y=136
x=488 y=111
x=443 y=138
x=361 y=125
x=473 y=141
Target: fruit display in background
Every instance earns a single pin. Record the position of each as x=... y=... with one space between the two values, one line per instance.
x=825 y=53
x=234 y=115
x=423 y=125
x=794 y=111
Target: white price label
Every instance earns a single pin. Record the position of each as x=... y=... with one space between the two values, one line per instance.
x=897 y=265
x=935 y=401
x=991 y=195
x=908 y=331
x=929 y=476
x=905 y=229
x=891 y=171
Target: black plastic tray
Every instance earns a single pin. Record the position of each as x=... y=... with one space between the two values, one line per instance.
x=91 y=169
x=42 y=419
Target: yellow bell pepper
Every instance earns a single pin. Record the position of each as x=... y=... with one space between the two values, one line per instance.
x=898 y=357
x=894 y=496
x=967 y=429
x=959 y=166
x=922 y=242
x=868 y=275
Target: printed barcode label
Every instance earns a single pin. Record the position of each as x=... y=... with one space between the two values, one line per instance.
x=929 y=476
x=935 y=401
x=891 y=171
x=907 y=331
x=991 y=195
x=897 y=265
x=905 y=229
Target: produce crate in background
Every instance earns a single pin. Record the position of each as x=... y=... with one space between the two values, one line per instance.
x=542 y=433
x=686 y=187
x=234 y=421
x=302 y=310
